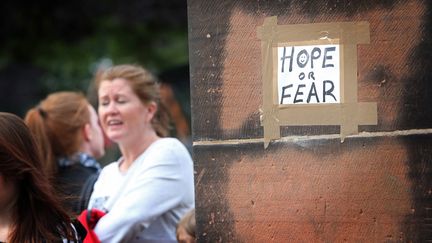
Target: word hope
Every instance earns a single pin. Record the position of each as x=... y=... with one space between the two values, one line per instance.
x=302 y=57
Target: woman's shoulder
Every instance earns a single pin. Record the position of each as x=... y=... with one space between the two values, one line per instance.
x=111 y=165
x=167 y=150
x=168 y=140
x=169 y=143
x=109 y=169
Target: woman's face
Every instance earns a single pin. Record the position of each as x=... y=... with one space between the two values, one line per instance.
x=123 y=116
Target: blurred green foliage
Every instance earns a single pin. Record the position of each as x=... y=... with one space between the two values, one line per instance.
x=67 y=41
x=70 y=66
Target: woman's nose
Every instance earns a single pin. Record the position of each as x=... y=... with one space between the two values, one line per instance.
x=111 y=108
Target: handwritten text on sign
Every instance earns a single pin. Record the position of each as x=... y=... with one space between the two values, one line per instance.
x=308 y=74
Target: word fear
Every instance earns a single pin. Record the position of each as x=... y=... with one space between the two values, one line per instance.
x=306 y=93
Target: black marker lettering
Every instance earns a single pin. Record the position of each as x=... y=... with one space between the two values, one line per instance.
x=315 y=50
x=328 y=57
x=283 y=93
x=302 y=75
x=299 y=93
x=302 y=58
x=285 y=57
x=312 y=92
x=311 y=75
x=328 y=91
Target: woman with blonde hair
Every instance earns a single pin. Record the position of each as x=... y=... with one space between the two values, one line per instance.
x=70 y=139
x=146 y=191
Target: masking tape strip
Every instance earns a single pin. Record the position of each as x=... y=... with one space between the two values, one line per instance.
x=348 y=114
x=346 y=32
x=348 y=78
x=270 y=122
x=328 y=114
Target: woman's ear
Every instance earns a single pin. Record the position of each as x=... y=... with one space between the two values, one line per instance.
x=87 y=132
x=152 y=109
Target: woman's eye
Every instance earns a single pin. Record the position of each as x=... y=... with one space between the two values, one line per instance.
x=104 y=102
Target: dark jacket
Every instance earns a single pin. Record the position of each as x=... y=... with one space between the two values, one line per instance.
x=75 y=179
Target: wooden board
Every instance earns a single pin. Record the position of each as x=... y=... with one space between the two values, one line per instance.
x=310 y=187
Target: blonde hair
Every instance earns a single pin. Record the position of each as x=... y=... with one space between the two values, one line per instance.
x=145 y=86
x=56 y=124
x=188 y=222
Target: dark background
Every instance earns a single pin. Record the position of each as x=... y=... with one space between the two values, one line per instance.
x=48 y=46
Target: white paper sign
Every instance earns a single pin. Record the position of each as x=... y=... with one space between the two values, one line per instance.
x=309 y=74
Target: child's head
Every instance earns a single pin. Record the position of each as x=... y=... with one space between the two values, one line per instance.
x=186 y=228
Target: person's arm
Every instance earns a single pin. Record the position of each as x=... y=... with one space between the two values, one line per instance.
x=156 y=187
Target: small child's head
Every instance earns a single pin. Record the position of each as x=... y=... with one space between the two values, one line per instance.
x=186 y=228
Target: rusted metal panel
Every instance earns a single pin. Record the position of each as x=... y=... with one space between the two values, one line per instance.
x=372 y=188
